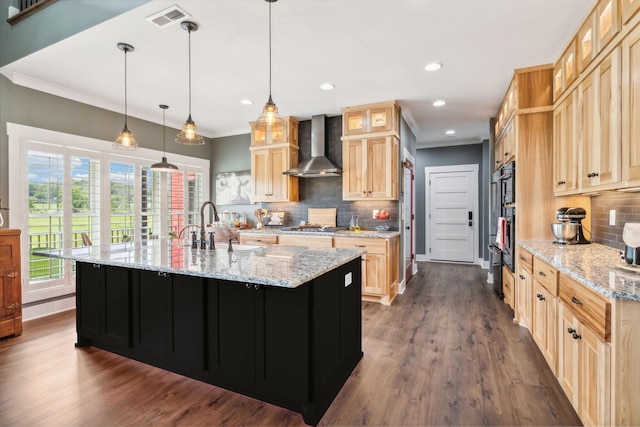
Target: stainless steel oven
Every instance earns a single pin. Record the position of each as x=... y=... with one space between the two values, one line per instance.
x=508 y=183
x=509 y=251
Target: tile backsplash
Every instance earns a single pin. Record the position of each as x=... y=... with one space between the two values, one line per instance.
x=627 y=207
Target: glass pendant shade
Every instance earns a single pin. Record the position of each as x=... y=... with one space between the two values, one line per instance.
x=269 y=121
x=189 y=134
x=164 y=165
x=125 y=141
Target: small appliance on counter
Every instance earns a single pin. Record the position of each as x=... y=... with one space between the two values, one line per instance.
x=569 y=229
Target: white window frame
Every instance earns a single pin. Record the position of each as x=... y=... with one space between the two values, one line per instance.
x=23 y=138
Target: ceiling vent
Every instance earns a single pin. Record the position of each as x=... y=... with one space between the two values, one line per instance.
x=168 y=16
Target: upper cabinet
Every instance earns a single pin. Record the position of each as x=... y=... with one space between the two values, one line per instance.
x=371 y=152
x=595 y=112
x=271 y=155
x=380 y=118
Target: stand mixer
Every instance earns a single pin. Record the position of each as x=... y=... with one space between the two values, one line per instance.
x=570 y=218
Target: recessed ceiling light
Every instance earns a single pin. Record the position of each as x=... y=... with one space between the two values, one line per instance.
x=246 y=102
x=327 y=86
x=433 y=66
x=450 y=132
x=438 y=103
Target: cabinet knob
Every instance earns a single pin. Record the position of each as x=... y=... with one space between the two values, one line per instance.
x=248 y=285
x=162 y=274
x=256 y=286
x=96 y=265
x=521 y=277
x=571 y=330
x=562 y=182
x=576 y=336
x=540 y=297
x=589 y=175
x=506 y=154
x=13 y=274
x=541 y=273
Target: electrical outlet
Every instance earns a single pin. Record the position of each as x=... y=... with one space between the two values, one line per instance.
x=612 y=217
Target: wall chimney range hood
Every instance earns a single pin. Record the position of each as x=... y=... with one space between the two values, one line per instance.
x=318 y=165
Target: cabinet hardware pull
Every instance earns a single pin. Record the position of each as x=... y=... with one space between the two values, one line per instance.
x=13 y=274
x=247 y=285
x=571 y=330
x=360 y=246
x=576 y=301
x=576 y=336
x=540 y=297
x=14 y=305
x=541 y=273
x=521 y=277
x=562 y=182
x=256 y=287
x=594 y=174
x=506 y=154
x=589 y=175
x=523 y=258
x=96 y=265
x=162 y=274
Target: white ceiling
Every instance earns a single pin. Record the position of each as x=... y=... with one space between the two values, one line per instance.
x=372 y=50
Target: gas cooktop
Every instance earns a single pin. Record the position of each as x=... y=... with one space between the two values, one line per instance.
x=317 y=229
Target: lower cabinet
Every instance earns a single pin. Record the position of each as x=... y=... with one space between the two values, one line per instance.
x=293 y=347
x=10 y=284
x=545 y=323
x=508 y=286
x=583 y=372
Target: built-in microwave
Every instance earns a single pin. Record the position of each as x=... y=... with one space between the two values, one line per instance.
x=508 y=183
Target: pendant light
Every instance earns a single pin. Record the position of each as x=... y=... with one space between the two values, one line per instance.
x=125 y=140
x=269 y=121
x=189 y=134
x=164 y=166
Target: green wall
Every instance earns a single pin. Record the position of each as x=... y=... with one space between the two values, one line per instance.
x=229 y=154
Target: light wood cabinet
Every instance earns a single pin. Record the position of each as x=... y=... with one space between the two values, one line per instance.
x=306 y=240
x=599 y=97
x=607 y=17
x=584 y=369
x=565 y=171
x=268 y=184
x=289 y=135
x=271 y=155
x=260 y=239
x=587 y=42
x=523 y=288
x=10 y=284
x=629 y=9
x=371 y=119
x=630 y=109
x=499 y=151
x=545 y=323
x=370 y=168
x=508 y=287
x=380 y=272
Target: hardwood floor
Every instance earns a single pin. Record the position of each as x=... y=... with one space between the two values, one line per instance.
x=445 y=353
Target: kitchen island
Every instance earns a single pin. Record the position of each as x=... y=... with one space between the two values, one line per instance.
x=280 y=324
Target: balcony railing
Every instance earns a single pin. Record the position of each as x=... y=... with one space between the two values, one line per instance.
x=28 y=8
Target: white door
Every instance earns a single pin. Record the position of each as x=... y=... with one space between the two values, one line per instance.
x=452 y=201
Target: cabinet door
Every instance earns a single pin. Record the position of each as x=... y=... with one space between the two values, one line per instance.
x=629 y=8
x=545 y=324
x=586 y=42
x=568 y=354
x=564 y=146
x=89 y=282
x=116 y=310
x=187 y=321
x=509 y=148
x=235 y=360
x=630 y=113
x=355 y=122
x=607 y=22
x=594 y=379
x=381 y=119
x=150 y=317
x=353 y=158
x=382 y=164
x=587 y=101
x=523 y=297
x=278 y=163
x=260 y=176
x=499 y=150
x=374 y=267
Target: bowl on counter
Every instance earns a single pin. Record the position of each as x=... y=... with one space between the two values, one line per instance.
x=565 y=231
x=382 y=228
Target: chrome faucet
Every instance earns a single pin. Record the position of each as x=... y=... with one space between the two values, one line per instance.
x=202 y=224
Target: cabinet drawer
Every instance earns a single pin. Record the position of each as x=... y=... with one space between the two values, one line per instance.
x=546 y=275
x=507 y=286
x=309 y=241
x=258 y=239
x=373 y=246
x=525 y=258
x=588 y=306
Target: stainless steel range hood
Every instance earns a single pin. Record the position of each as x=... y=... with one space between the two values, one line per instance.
x=318 y=165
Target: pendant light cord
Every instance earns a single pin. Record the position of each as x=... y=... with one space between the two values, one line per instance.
x=125 y=88
x=189 y=72
x=269 y=49
x=164 y=132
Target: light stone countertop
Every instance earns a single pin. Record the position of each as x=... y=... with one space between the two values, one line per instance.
x=340 y=233
x=595 y=265
x=283 y=266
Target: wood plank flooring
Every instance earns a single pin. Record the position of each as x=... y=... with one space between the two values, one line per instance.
x=445 y=353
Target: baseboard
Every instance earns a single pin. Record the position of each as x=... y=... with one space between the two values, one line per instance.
x=35 y=311
x=402 y=286
x=422 y=257
x=490 y=277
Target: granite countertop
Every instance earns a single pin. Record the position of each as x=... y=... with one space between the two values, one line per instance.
x=340 y=233
x=283 y=266
x=594 y=265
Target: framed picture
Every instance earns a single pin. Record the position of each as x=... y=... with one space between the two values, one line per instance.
x=233 y=188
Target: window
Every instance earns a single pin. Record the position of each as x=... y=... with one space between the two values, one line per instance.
x=65 y=190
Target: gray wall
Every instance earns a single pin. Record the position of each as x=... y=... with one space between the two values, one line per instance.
x=445 y=156
x=57 y=22
x=627 y=207
x=38 y=109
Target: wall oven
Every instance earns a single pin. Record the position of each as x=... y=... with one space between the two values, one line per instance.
x=509 y=250
x=508 y=183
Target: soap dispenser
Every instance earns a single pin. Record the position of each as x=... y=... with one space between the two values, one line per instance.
x=352 y=223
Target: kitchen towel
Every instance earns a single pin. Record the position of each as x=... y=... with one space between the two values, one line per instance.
x=501 y=234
